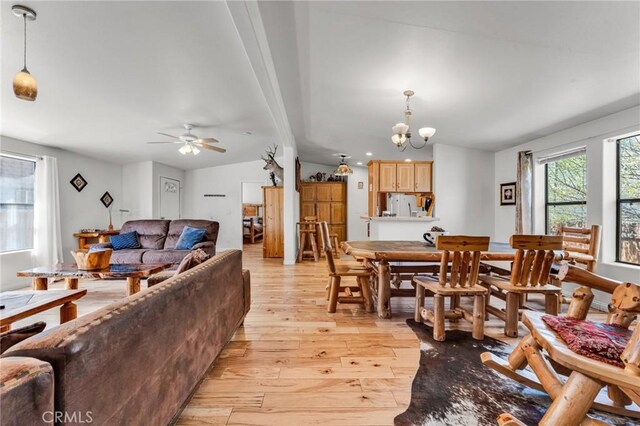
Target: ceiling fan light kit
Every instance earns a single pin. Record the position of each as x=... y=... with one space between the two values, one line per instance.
x=191 y=144
x=402 y=131
x=24 y=85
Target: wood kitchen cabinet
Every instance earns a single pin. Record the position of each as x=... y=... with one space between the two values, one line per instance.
x=328 y=202
x=273 y=221
x=397 y=176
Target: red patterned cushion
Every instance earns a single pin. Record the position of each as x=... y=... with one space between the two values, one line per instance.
x=602 y=342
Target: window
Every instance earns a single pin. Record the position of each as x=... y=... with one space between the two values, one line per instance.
x=628 y=209
x=566 y=192
x=16 y=203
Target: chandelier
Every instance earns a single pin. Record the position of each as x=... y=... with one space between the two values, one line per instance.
x=402 y=131
x=24 y=85
x=343 y=168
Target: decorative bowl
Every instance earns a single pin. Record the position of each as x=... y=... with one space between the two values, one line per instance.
x=92 y=260
x=430 y=237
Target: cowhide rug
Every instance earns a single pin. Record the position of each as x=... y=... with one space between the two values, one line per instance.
x=453 y=387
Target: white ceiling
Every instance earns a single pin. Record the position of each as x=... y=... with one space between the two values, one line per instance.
x=486 y=74
x=111 y=75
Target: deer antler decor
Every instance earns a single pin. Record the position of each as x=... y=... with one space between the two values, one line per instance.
x=272 y=165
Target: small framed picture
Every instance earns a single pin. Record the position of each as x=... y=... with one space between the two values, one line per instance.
x=78 y=182
x=360 y=185
x=508 y=194
x=106 y=199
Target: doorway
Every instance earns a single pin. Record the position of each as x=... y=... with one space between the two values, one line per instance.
x=169 y=198
x=252 y=230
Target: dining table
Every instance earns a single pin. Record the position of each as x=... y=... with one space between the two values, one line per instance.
x=394 y=261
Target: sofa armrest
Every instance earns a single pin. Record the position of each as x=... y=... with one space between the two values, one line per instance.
x=26 y=391
x=246 y=281
x=208 y=246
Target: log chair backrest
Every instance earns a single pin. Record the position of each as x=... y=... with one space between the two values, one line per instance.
x=534 y=258
x=464 y=254
x=326 y=246
x=581 y=245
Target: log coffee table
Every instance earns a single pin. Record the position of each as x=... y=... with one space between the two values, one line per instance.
x=70 y=272
x=21 y=304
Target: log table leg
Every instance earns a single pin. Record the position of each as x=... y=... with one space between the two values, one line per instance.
x=40 y=283
x=72 y=283
x=384 y=289
x=68 y=312
x=511 y=322
x=133 y=285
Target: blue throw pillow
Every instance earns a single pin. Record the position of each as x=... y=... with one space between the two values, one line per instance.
x=128 y=240
x=190 y=237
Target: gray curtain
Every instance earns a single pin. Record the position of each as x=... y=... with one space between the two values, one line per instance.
x=524 y=194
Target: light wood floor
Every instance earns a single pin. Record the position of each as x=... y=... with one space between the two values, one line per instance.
x=293 y=363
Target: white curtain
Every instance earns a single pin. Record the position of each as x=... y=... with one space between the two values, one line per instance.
x=47 y=237
x=524 y=194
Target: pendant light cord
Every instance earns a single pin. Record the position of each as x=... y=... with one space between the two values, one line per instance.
x=24 y=17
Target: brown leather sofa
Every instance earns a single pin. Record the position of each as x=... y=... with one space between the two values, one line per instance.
x=158 y=239
x=136 y=361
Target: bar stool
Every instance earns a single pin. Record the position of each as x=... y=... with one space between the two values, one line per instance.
x=308 y=239
x=335 y=244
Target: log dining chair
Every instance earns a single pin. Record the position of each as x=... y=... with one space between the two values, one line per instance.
x=337 y=272
x=581 y=247
x=462 y=280
x=530 y=273
x=591 y=354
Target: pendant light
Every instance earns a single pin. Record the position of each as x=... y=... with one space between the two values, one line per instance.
x=401 y=132
x=343 y=168
x=24 y=85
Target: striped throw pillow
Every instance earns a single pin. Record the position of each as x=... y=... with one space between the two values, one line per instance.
x=128 y=240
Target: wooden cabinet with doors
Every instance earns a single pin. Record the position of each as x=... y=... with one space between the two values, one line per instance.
x=397 y=176
x=328 y=202
x=273 y=221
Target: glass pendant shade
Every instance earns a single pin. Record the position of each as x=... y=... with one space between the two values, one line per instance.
x=400 y=129
x=185 y=149
x=25 y=86
x=195 y=150
x=343 y=170
x=398 y=139
x=427 y=132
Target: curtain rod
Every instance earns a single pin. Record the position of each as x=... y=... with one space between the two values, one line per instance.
x=19 y=154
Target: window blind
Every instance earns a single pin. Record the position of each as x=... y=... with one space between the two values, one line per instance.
x=562 y=155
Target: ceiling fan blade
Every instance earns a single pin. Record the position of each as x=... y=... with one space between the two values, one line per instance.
x=165 y=142
x=211 y=148
x=167 y=134
x=207 y=140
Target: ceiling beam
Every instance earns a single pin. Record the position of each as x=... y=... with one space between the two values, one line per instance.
x=248 y=22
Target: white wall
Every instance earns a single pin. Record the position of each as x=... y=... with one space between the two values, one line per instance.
x=357 y=199
x=601 y=187
x=77 y=209
x=463 y=187
x=137 y=190
x=252 y=192
x=227 y=210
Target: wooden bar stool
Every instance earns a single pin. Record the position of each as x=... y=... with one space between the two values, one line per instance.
x=308 y=239
x=335 y=244
x=336 y=273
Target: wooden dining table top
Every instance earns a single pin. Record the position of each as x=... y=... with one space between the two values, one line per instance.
x=416 y=251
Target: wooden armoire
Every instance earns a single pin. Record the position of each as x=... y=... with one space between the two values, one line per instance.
x=273 y=221
x=328 y=202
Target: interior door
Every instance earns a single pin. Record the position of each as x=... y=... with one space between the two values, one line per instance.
x=169 y=198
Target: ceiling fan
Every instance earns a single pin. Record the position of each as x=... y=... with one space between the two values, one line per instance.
x=191 y=143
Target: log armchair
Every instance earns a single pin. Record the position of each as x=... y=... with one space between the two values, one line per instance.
x=464 y=254
x=530 y=273
x=589 y=363
x=337 y=272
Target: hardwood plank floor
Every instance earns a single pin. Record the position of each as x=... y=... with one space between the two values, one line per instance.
x=292 y=363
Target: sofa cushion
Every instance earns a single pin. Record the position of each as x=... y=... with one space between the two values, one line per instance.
x=17 y=335
x=602 y=342
x=164 y=256
x=151 y=233
x=128 y=240
x=176 y=226
x=190 y=236
x=127 y=256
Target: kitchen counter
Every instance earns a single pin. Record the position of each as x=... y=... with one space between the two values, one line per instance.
x=399 y=218
x=394 y=228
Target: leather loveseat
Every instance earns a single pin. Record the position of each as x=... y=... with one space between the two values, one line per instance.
x=158 y=239
x=134 y=362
